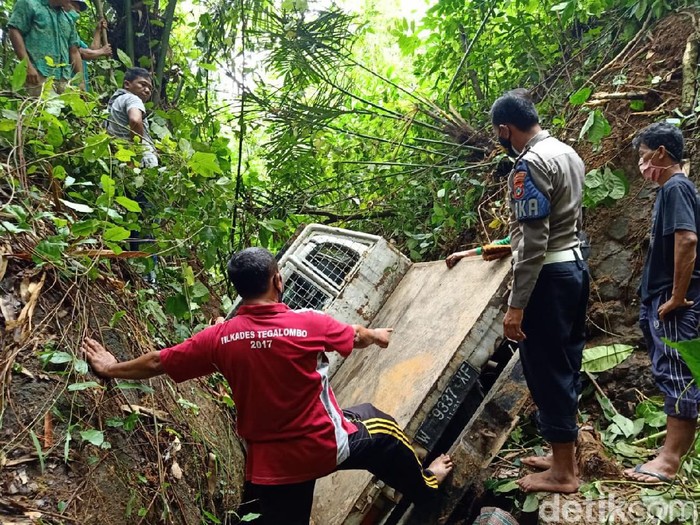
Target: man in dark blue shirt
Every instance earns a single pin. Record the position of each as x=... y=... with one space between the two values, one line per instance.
x=670 y=293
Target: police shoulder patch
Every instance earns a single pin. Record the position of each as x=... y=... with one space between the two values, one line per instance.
x=527 y=201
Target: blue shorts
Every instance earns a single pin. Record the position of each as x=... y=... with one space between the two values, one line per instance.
x=668 y=368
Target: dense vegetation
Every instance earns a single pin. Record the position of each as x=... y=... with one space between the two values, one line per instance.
x=273 y=115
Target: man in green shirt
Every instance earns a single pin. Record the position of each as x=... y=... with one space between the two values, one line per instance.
x=43 y=33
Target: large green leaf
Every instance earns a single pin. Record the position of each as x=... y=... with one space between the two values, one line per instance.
x=690 y=352
x=116 y=233
x=95 y=437
x=602 y=358
x=204 y=164
x=19 y=75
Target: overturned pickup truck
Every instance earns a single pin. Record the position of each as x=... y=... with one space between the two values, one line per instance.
x=447 y=377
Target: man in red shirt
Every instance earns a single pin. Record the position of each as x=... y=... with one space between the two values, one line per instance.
x=274 y=360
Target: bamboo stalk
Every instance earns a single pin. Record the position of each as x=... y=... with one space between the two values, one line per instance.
x=164 y=46
x=129 y=40
x=99 y=7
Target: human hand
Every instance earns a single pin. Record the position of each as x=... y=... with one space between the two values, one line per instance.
x=33 y=77
x=106 y=51
x=102 y=25
x=98 y=357
x=673 y=304
x=512 y=324
x=381 y=336
x=219 y=320
x=455 y=258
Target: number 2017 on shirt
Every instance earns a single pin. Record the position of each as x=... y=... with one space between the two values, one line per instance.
x=267 y=343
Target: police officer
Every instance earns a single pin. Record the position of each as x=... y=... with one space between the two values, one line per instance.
x=547 y=305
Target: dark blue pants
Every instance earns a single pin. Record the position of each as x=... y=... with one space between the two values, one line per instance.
x=681 y=395
x=554 y=323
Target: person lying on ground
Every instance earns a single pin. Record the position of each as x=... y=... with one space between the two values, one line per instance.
x=274 y=361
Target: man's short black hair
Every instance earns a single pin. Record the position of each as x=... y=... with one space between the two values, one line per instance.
x=136 y=72
x=516 y=108
x=250 y=270
x=661 y=134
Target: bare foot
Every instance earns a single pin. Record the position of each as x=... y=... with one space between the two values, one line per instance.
x=441 y=467
x=538 y=462
x=660 y=469
x=541 y=462
x=547 y=482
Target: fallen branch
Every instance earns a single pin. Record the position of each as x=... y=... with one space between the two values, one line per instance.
x=690 y=73
x=620 y=95
x=624 y=51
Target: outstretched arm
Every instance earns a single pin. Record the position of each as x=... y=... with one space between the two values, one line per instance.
x=371 y=336
x=104 y=364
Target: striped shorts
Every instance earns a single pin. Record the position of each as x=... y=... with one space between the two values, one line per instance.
x=668 y=368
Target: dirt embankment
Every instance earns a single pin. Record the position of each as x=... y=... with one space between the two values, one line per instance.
x=74 y=449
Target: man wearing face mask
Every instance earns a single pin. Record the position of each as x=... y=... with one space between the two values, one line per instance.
x=547 y=306
x=274 y=361
x=670 y=292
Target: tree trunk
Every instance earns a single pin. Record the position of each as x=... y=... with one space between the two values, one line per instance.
x=163 y=52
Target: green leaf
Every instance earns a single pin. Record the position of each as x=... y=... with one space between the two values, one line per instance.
x=128 y=204
x=177 y=305
x=690 y=352
x=637 y=105
x=108 y=186
x=250 y=516
x=49 y=250
x=124 y=155
x=58 y=358
x=85 y=228
x=124 y=58
x=531 y=503
x=602 y=358
x=600 y=127
x=587 y=125
x=205 y=164
x=39 y=450
x=188 y=274
x=651 y=413
x=116 y=318
x=76 y=387
x=116 y=233
x=580 y=96
x=80 y=366
x=626 y=425
x=11 y=228
x=95 y=437
x=509 y=486
x=19 y=76
x=609 y=411
x=127 y=385
x=199 y=290
x=82 y=208
x=630 y=451
x=8 y=125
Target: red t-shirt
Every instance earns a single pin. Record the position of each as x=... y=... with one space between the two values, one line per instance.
x=273 y=359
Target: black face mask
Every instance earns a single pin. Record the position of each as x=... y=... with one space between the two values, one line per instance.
x=508 y=146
